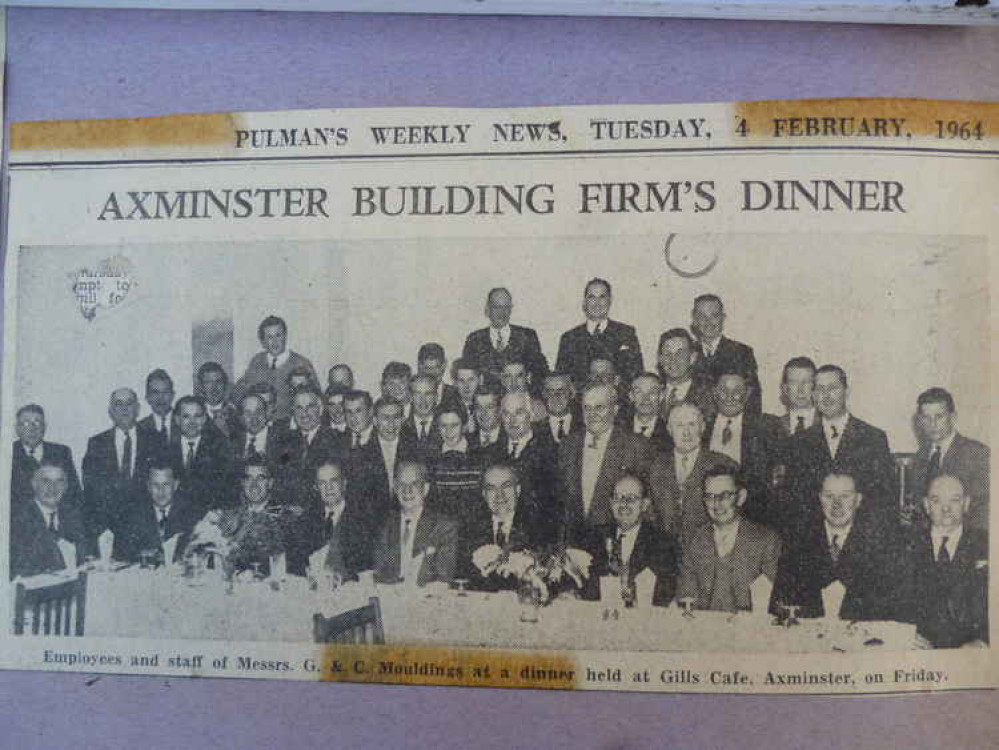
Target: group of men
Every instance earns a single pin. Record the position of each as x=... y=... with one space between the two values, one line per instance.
x=674 y=470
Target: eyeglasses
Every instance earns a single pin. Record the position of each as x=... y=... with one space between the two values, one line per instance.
x=626 y=499
x=719 y=497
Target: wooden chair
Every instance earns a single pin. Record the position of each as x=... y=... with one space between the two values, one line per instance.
x=361 y=625
x=56 y=609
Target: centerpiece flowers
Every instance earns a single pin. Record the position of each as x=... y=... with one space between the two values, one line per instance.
x=240 y=538
x=541 y=575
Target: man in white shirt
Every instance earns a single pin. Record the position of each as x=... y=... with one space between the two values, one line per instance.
x=273 y=364
x=466 y=380
x=644 y=415
x=212 y=385
x=487 y=417
x=418 y=430
x=159 y=396
x=488 y=349
x=796 y=390
x=731 y=394
x=255 y=438
x=560 y=403
x=395 y=384
x=359 y=413
x=203 y=456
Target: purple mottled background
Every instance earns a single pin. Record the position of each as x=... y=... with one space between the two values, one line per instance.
x=80 y=64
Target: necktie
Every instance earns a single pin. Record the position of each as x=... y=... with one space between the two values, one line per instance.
x=616 y=563
x=251 y=447
x=273 y=363
x=835 y=549
x=684 y=468
x=592 y=442
x=500 y=343
x=596 y=330
x=189 y=458
x=357 y=440
x=514 y=446
x=329 y=527
x=163 y=522
x=126 y=458
x=36 y=454
x=561 y=429
x=933 y=468
x=406 y=532
x=52 y=523
x=647 y=430
x=834 y=432
x=670 y=395
x=423 y=431
x=944 y=556
x=501 y=534
x=800 y=425
x=727 y=433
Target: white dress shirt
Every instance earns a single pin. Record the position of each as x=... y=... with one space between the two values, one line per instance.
x=407 y=565
x=51 y=517
x=827 y=427
x=119 y=446
x=490 y=437
x=628 y=539
x=365 y=435
x=278 y=361
x=596 y=326
x=725 y=537
x=944 y=447
x=185 y=442
x=644 y=428
x=507 y=522
x=841 y=535
x=953 y=539
x=565 y=421
x=498 y=335
x=593 y=459
x=38 y=452
x=388 y=455
x=259 y=441
x=676 y=392
x=684 y=464
x=807 y=415
x=733 y=449
x=520 y=445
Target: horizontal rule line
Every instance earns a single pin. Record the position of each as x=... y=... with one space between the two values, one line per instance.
x=505 y=154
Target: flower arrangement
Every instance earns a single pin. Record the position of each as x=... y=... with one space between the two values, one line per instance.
x=241 y=537
x=543 y=573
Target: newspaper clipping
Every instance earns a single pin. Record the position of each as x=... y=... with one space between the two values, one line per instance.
x=652 y=398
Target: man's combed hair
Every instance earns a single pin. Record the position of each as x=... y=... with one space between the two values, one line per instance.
x=936 y=395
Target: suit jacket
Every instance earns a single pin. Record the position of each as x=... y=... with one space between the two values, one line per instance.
x=370 y=481
x=872 y=567
x=618 y=343
x=756 y=552
x=350 y=542
x=679 y=509
x=950 y=600
x=660 y=439
x=299 y=460
x=863 y=450
x=149 y=424
x=22 y=469
x=575 y=424
x=432 y=531
x=106 y=496
x=523 y=346
x=626 y=452
x=140 y=530
x=34 y=549
x=522 y=535
x=258 y=371
x=271 y=449
x=731 y=356
x=423 y=449
x=207 y=480
x=225 y=418
x=966 y=459
x=654 y=550
x=761 y=453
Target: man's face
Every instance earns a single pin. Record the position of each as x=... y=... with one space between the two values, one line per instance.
x=307 y=408
x=191 y=418
x=596 y=301
x=388 y=420
x=331 y=485
x=124 y=408
x=487 y=411
x=830 y=395
x=213 y=386
x=514 y=378
x=411 y=487
x=685 y=426
x=49 y=485
x=334 y=407
x=599 y=409
x=273 y=339
x=628 y=503
x=840 y=500
x=946 y=503
x=159 y=396
x=256 y=484
x=558 y=393
x=722 y=500
x=936 y=421
x=501 y=491
x=450 y=426
x=708 y=320
x=676 y=358
x=499 y=306
x=433 y=368
x=516 y=414
x=253 y=413
x=297 y=381
x=30 y=428
x=603 y=371
x=798 y=386
x=467 y=382
x=731 y=395
x=359 y=415
x=424 y=398
x=397 y=388
x=340 y=375
x=646 y=395
x=162 y=486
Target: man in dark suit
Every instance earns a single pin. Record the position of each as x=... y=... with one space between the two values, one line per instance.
x=311 y=443
x=642 y=415
x=509 y=525
x=30 y=449
x=339 y=528
x=359 y=413
x=418 y=432
x=416 y=544
x=42 y=525
x=797 y=385
x=212 y=385
x=159 y=396
x=489 y=426
x=599 y=337
x=950 y=578
x=631 y=545
x=396 y=380
x=838 y=440
x=432 y=363
x=751 y=441
x=719 y=354
x=340 y=376
x=859 y=551
x=115 y=464
x=590 y=462
x=677 y=354
x=466 y=380
x=488 y=349
x=203 y=457
x=943 y=450
x=723 y=559
x=159 y=514
x=564 y=412
x=373 y=462
x=272 y=365
x=255 y=435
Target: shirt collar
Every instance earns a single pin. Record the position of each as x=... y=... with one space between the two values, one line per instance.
x=414 y=520
x=336 y=513
x=281 y=358
x=728 y=531
x=29 y=452
x=842 y=533
x=691 y=457
x=160 y=509
x=807 y=412
x=839 y=423
x=462 y=447
x=953 y=537
x=504 y=332
x=601 y=440
x=506 y=520
x=46 y=512
x=630 y=533
x=591 y=325
x=944 y=444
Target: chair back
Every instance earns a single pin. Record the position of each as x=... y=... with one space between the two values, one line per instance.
x=56 y=609
x=361 y=625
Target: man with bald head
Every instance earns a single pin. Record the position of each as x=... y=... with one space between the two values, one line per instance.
x=676 y=478
x=593 y=459
x=115 y=464
x=489 y=349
